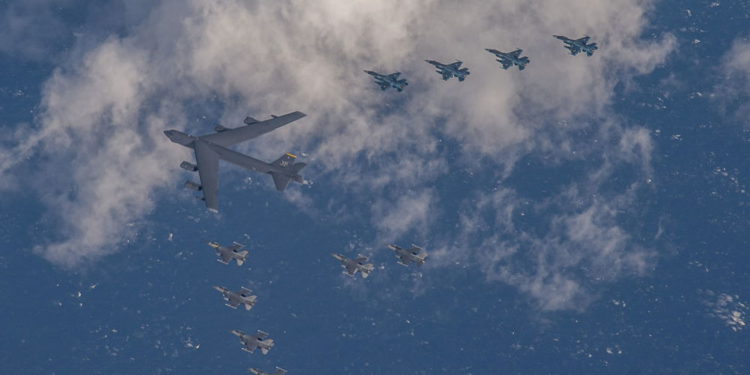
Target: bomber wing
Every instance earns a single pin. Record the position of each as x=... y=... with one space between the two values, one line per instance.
x=234 y=136
x=208 y=171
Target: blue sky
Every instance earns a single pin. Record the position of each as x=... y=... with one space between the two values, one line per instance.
x=586 y=214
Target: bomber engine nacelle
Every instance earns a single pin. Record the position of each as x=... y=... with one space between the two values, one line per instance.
x=193 y=186
x=221 y=128
x=249 y=120
x=188 y=166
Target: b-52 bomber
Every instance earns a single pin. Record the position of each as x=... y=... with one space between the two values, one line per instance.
x=227 y=253
x=577 y=45
x=211 y=148
x=508 y=59
x=351 y=266
x=389 y=80
x=450 y=70
x=279 y=371
x=414 y=254
x=255 y=341
x=235 y=299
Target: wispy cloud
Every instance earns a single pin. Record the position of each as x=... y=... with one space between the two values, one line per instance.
x=733 y=91
x=104 y=110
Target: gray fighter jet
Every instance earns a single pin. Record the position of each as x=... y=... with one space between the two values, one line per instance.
x=414 y=254
x=351 y=266
x=508 y=59
x=279 y=371
x=211 y=148
x=227 y=253
x=234 y=299
x=577 y=45
x=255 y=341
x=389 y=80
x=450 y=70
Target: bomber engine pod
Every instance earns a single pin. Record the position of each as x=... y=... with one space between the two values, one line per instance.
x=193 y=186
x=220 y=128
x=188 y=166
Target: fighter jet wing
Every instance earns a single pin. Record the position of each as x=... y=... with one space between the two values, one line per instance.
x=236 y=246
x=208 y=171
x=574 y=50
x=237 y=135
x=394 y=76
x=446 y=75
x=403 y=259
x=233 y=301
x=250 y=346
x=456 y=65
x=506 y=63
x=224 y=257
x=585 y=39
x=351 y=269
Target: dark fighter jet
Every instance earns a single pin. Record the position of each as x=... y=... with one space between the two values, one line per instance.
x=388 y=80
x=508 y=59
x=450 y=70
x=577 y=45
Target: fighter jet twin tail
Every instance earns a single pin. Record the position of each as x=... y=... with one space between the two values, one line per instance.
x=414 y=254
x=506 y=60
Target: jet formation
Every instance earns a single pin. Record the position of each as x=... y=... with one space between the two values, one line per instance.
x=243 y=297
x=211 y=148
x=228 y=253
x=578 y=45
x=508 y=59
x=388 y=80
x=451 y=70
x=351 y=266
x=254 y=341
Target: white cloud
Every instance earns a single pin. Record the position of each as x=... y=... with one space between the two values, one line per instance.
x=103 y=113
x=733 y=91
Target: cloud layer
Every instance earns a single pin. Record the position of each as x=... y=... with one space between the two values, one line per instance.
x=104 y=110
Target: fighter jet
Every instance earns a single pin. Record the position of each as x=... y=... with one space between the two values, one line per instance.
x=577 y=45
x=414 y=254
x=252 y=342
x=351 y=266
x=450 y=70
x=211 y=148
x=508 y=59
x=234 y=299
x=227 y=253
x=389 y=80
x=279 y=371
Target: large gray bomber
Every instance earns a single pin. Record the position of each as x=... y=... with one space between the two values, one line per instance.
x=211 y=148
